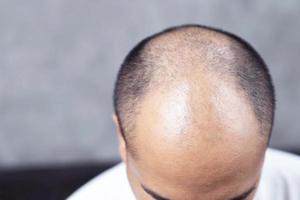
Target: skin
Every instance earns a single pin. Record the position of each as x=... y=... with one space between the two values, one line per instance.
x=197 y=138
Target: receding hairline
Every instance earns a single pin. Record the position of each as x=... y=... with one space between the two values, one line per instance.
x=171 y=38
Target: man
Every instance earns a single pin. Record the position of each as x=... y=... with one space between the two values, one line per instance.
x=194 y=109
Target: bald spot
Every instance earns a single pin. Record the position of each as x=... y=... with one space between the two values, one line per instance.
x=192 y=68
x=191 y=51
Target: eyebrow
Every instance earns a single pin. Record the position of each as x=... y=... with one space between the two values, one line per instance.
x=245 y=194
x=160 y=197
x=154 y=194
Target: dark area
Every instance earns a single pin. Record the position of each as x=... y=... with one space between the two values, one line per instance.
x=51 y=183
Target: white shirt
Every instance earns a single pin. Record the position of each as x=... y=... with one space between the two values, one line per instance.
x=280 y=180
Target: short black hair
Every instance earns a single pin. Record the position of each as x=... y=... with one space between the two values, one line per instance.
x=247 y=68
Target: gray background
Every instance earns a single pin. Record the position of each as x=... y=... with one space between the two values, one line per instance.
x=59 y=59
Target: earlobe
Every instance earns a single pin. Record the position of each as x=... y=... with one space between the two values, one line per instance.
x=121 y=139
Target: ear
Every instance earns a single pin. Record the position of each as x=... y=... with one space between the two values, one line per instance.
x=121 y=139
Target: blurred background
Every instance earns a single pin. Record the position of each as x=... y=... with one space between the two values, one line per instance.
x=59 y=60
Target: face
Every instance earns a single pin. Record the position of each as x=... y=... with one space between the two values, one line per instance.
x=195 y=143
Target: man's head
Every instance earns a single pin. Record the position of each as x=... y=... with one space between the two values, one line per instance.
x=194 y=109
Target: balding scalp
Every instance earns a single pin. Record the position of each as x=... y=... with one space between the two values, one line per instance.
x=186 y=51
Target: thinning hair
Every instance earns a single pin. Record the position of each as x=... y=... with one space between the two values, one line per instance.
x=222 y=52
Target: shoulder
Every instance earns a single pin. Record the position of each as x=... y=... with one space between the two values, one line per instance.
x=280 y=177
x=282 y=163
x=110 y=185
x=278 y=154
